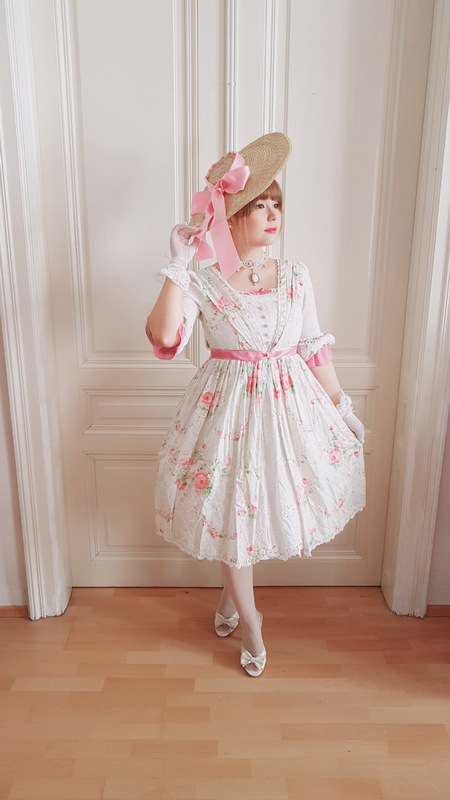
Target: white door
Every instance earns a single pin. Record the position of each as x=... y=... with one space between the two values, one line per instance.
x=135 y=100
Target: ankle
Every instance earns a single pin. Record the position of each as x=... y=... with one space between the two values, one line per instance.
x=226 y=606
x=252 y=635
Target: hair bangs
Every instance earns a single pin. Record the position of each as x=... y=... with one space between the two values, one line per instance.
x=273 y=192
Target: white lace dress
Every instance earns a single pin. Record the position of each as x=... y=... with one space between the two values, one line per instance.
x=257 y=463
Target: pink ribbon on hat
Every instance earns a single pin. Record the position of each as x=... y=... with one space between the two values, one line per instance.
x=211 y=203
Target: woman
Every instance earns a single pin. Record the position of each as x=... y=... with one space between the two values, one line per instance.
x=264 y=456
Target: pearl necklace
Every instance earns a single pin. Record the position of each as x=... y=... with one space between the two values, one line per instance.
x=254 y=265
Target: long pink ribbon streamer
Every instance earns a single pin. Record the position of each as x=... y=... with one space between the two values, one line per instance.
x=211 y=203
x=252 y=355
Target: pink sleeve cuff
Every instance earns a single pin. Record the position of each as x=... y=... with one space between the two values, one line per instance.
x=321 y=358
x=166 y=353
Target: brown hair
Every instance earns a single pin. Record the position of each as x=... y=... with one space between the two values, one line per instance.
x=273 y=192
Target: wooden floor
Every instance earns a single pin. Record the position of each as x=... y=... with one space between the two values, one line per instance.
x=131 y=696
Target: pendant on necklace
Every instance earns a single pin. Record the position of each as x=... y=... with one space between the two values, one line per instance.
x=254 y=278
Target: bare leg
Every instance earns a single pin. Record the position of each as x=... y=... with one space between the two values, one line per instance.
x=238 y=585
x=226 y=606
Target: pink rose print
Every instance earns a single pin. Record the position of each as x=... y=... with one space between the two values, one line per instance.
x=240 y=512
x=207 y=398
x=222 y=302
x=295 y=288
x=335 y=455
x=213 y=533
x=286 y=382
x=180 y=485
x=227 y=461
x=251 y=383
x=277 y=394
x=249 y=549
x=201 y=481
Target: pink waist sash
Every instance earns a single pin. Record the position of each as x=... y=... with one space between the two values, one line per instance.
x=253 y=355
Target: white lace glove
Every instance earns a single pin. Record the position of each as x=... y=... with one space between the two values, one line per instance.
x=345 y=409
x=181 y=253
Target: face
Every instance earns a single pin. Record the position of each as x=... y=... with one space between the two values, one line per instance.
x=262 y=226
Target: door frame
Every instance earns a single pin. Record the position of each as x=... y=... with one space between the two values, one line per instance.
x=26 y=312
x=424 y=392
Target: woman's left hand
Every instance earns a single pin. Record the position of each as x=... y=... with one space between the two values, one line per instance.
x=345 y=409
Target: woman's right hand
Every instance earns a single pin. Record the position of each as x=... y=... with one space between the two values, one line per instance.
x=180 y=248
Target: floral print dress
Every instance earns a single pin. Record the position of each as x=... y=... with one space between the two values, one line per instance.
x=257 y=463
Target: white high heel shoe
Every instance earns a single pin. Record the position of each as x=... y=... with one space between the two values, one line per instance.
x=230 y=622
x=253 y=665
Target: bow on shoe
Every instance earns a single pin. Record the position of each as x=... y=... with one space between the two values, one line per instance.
x=247 y=660
x=225 y=625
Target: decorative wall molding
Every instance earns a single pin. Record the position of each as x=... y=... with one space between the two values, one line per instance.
x=110 y=410
x=270 y=65
x=75 y=190
x=231 y=72
x=185 y=135
x=29 y=344
x=378 y=265
x=101 y=548
x=186 y=105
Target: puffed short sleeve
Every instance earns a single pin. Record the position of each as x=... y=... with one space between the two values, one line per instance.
x=312 y=338
x=193 y=299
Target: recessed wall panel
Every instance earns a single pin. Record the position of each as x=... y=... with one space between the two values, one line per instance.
x=126 y=116
x=340 y=60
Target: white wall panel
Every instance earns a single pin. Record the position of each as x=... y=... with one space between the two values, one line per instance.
x=121 y=525
x=125 y=106
x=339 y=67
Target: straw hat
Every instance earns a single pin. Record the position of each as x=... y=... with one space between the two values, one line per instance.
x=265 y=158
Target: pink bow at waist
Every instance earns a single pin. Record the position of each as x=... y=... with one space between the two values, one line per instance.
x=253 y=355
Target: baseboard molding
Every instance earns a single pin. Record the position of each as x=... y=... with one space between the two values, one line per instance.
x=13 y=611
x=438 y=611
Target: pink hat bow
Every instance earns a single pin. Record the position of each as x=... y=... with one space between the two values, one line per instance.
x=211 y=203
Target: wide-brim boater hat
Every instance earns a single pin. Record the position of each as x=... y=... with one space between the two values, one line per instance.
x=234 y=181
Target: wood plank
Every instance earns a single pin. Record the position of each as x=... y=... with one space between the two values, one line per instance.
x=14 y=612
x=438 y=611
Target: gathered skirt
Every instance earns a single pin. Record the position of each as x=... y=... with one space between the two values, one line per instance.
x=257 y=464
